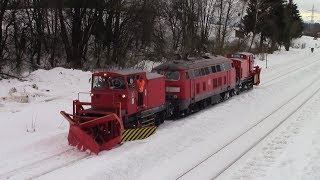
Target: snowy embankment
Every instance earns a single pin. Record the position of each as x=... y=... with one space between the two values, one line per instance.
x=34 y=131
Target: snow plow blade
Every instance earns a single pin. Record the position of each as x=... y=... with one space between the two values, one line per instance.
x=138 y=134
x=94 y=134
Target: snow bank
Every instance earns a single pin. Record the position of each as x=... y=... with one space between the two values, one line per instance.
x=306 y=42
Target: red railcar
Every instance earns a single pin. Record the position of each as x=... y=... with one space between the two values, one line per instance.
x=120 y=86
x=113 y=115
x=193 y=83
x=246 y=74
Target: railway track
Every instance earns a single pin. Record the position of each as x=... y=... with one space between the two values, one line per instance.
x=187 y=174
x=281 y=74
x=69 y=157
x=46 y=165
x=281 y=68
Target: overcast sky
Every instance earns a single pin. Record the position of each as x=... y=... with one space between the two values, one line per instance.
x=305 y=7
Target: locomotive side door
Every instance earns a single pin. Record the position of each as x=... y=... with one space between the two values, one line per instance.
x=192 y=91
x=132 y=94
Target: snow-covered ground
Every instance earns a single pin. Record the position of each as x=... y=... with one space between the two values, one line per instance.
x=34 y=134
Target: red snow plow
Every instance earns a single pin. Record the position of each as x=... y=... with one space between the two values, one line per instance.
x=92 y=129
x=114 y=113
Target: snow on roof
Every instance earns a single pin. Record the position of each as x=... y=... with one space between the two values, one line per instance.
x=192 y=63
x=244 y=53
x=127 y=71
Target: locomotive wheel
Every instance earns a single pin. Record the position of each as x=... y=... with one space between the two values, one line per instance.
x=185 y=112
x=157 y=121
x=232 y=92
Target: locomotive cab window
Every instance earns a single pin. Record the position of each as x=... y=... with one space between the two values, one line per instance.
x=203 y=72
x=131 y=81
x=116 y=83
x=172 y=76
x=213 y=69
x=99 y=83
x=197 y=73
x=207 y=70
x=218 y=68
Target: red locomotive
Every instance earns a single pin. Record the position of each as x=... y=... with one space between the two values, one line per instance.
x=116 y=113
x=194 y=83
x=113 y=87
x=246 y=74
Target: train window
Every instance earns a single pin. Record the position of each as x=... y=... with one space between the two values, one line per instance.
x=222 y=67
x=227 y=66
x=99 y=83
x=191 y=74
x=204 y=86
x=207 y=70
x=203 y=72
x=161 y=72
x=218 y=67
x=214 y=82
x=213 y=69
x=131 y=80
x=225 y=80
x=196 y=72
x=220 y=81
x=173 y=76
x=232 y=65
x=116 y=83
x=237 y=56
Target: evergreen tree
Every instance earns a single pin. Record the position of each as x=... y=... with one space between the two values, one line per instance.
x=274 y=23
x=293 y=24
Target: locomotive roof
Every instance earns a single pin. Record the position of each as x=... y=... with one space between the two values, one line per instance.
x=153 y=75
x=244 y=53
x=193 y=63
x=235 y=56
x=126 y=71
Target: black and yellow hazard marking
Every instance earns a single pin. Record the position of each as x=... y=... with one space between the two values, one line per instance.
x=136 y=134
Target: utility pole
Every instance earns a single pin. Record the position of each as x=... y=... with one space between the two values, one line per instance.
x=312 y=14
x=266 y=60
x=311 y=24
x=312 y=19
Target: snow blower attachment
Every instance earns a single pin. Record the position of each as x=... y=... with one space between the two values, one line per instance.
x=114 y=113
x=93 y=130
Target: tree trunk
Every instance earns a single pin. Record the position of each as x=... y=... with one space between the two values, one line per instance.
x=3 y=7
x=64 y=35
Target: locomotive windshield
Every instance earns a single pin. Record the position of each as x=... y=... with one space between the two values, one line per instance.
x=116 y=83
x=99 y=83
x=170 y=75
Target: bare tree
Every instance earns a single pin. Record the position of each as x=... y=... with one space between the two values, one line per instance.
x=227 y=13
x=3 y=35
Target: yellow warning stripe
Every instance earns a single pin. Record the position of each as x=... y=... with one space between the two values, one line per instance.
x=139 y=133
